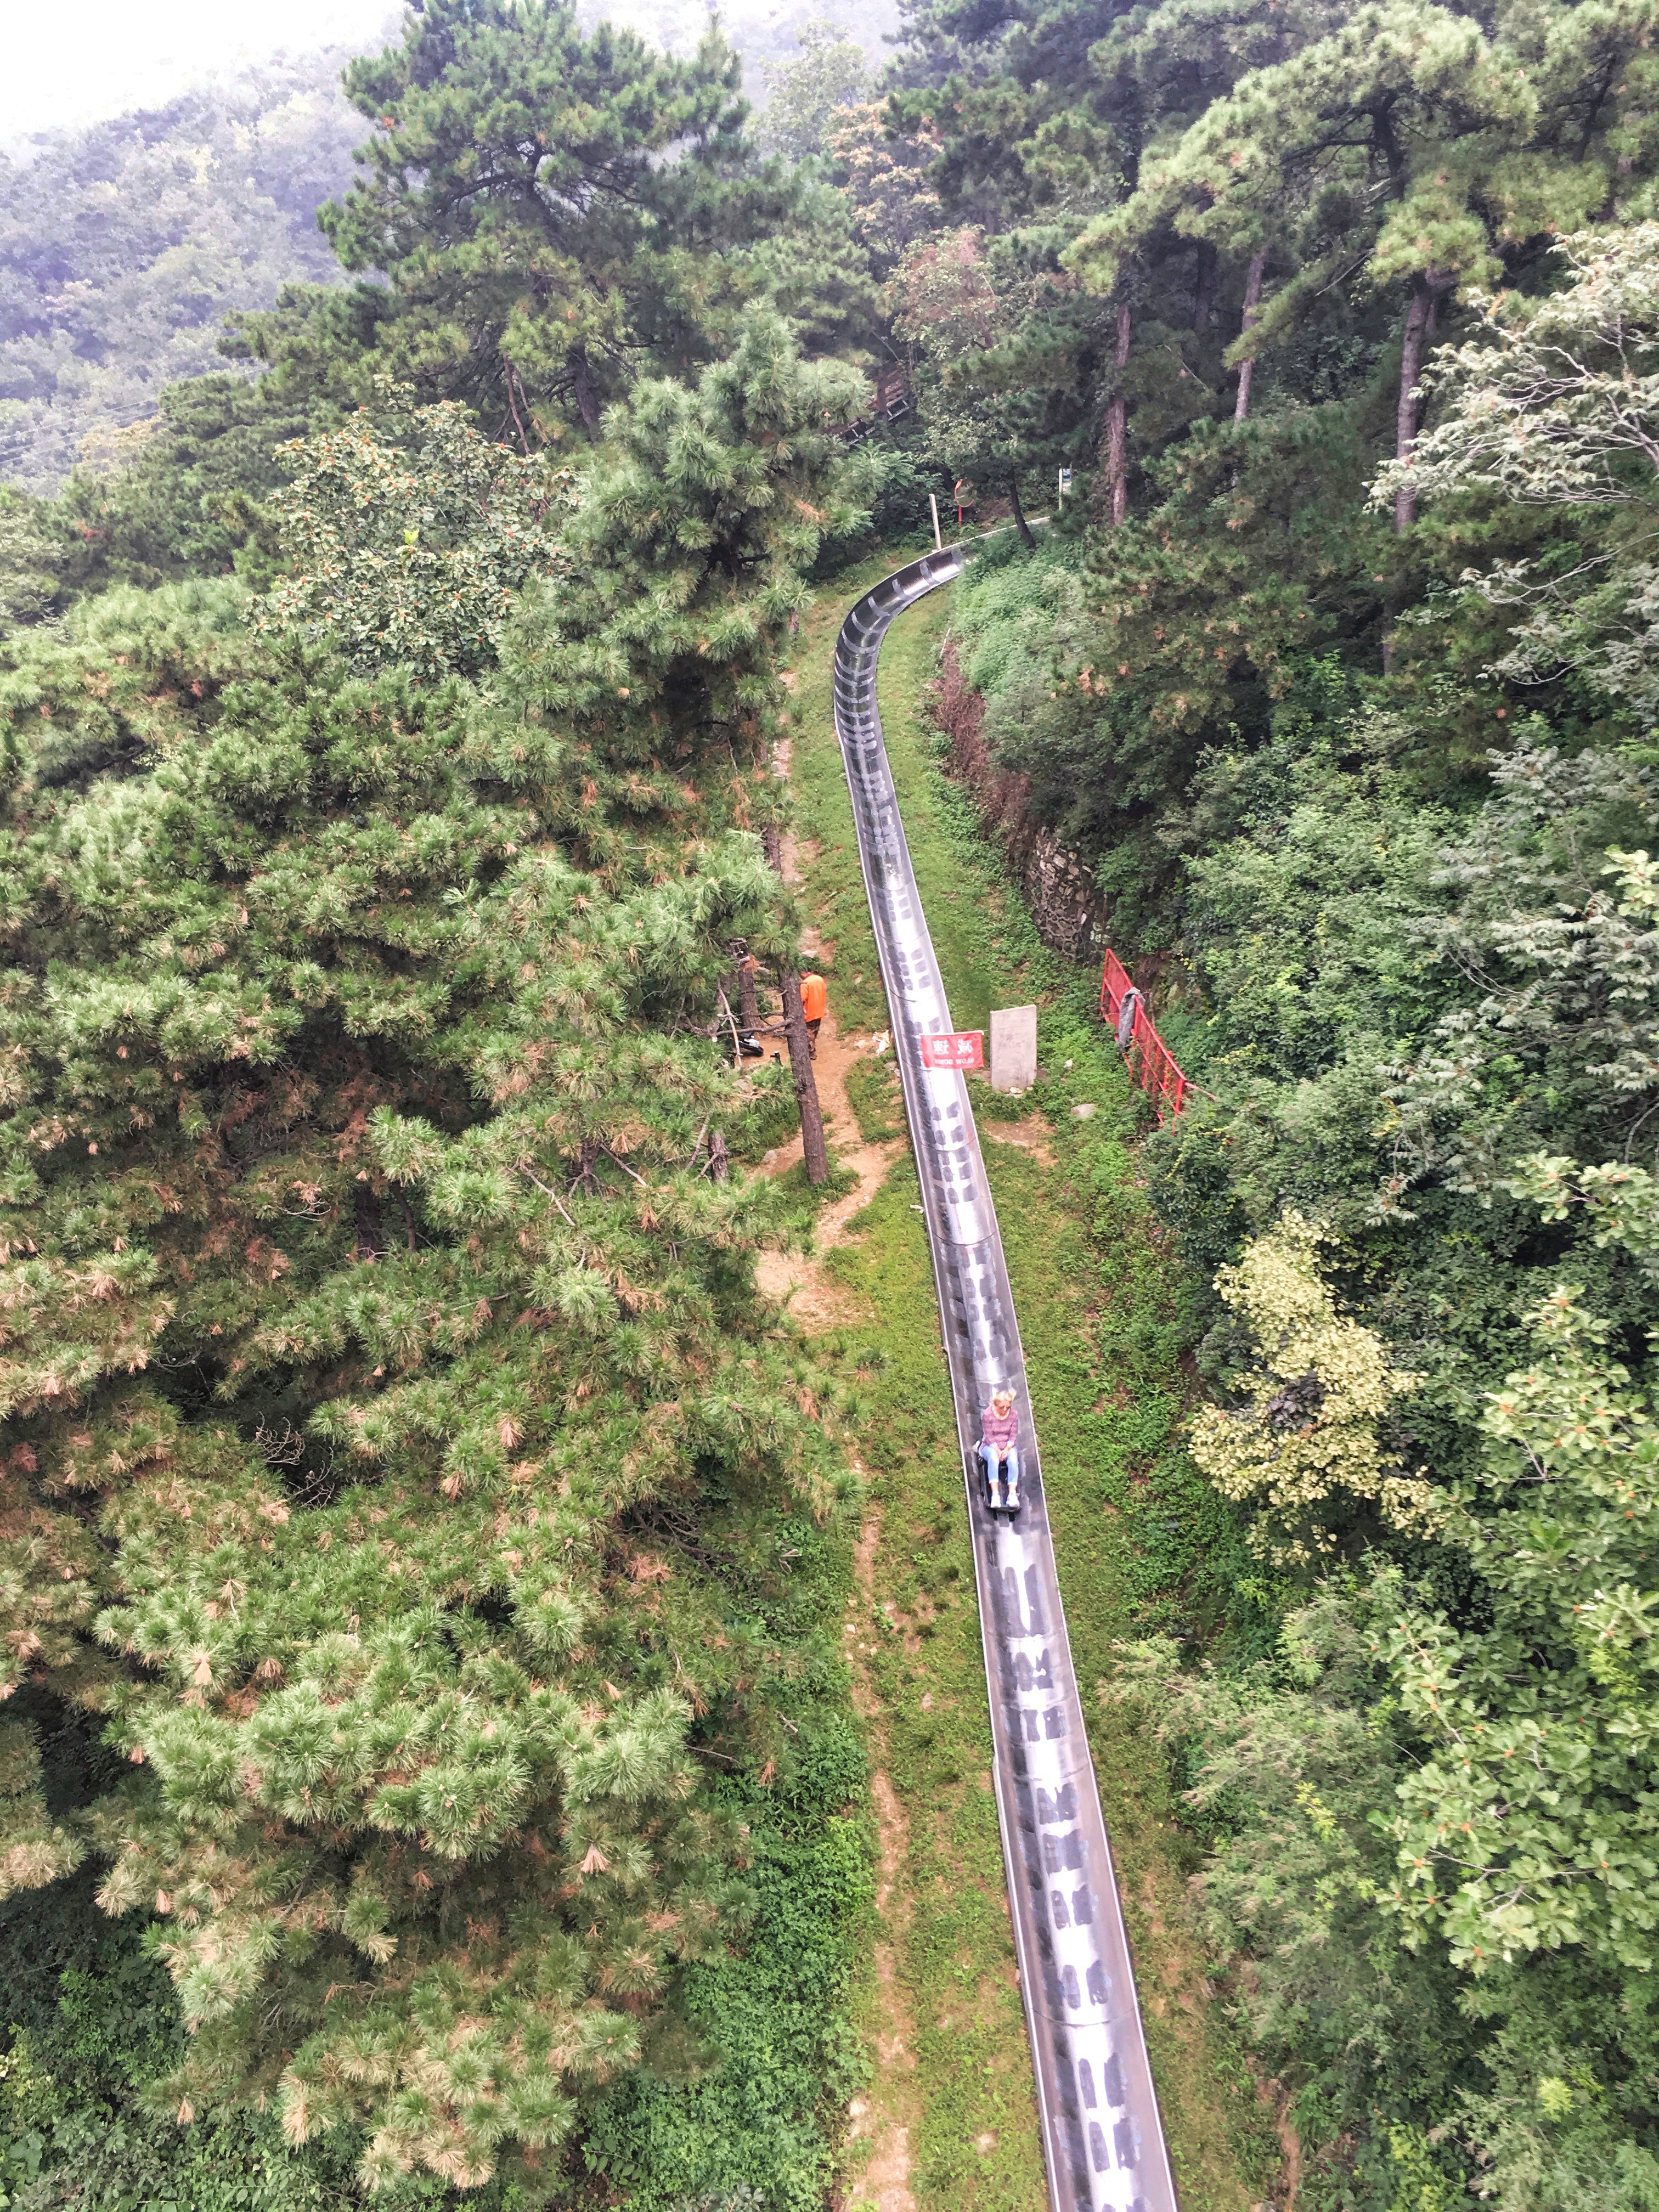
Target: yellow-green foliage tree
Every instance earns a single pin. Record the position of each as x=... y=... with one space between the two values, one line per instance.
x=409 y=538
x=1303 y=1449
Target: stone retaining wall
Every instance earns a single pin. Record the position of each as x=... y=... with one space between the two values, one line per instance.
x=1060 y=891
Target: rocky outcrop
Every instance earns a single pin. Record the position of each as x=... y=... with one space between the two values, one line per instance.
x=1060 y=891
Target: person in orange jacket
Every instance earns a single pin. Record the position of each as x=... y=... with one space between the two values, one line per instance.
x=814 y=998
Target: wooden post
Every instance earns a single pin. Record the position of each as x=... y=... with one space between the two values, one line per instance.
x=813 y=1149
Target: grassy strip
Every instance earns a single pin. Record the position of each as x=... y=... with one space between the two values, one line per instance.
x=772 y=2015
x=1140 y=1541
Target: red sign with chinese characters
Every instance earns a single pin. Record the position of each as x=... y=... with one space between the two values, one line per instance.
x=956 y=1048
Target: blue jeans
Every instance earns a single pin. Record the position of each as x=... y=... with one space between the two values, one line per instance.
x=1010 y=1461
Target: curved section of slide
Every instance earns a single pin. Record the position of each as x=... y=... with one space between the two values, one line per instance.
x=1102 y=2137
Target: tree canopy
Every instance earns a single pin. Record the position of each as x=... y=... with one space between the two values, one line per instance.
x=554 y=209
x=424 y=1545
x=390 y=1394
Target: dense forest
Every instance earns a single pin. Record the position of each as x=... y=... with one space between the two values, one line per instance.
x=430 y=1769
x=124 y=246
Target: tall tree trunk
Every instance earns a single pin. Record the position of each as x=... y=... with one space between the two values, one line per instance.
x=585 y=392
x=814 y=1150
x=748 y=1005
x=1203 y=285
x=1252 y=304
x=366 y=1212
x=1420 y=328
x=720 y=1160
x=1117 y=422
x=812 y=1147
x=1020 y=523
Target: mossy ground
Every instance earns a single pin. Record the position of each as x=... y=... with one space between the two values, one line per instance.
x=1102 y=1313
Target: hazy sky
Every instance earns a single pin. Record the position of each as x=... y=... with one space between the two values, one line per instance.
x=73 y=61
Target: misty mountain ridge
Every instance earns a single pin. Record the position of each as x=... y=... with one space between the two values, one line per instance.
x=125 y=244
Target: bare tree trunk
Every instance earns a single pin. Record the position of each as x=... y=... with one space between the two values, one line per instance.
x=748 y=1005
x=586 y=392
x=812 y=1147
x=719 y=1159
x=739 y=987
x=1203 y=285
x=1118 y=422
x=814 y=1150
x=1252 y=303
x=1020 y=523
x=1419 y=327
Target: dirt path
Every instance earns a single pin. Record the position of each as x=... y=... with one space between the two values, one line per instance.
x=792 y=1278
x=816 y=1301
x=884 y=2117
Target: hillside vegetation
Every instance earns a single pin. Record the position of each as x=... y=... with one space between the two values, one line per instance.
x=124 y=246
x=430 y=1767
x=1343 y=680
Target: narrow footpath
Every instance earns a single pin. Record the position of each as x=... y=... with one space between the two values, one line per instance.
x=882 y=2120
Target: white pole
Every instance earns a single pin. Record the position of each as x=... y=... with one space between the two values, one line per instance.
x=1059 y=489
x=932 y=502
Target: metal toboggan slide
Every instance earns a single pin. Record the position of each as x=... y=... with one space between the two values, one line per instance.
x=1102 y=2138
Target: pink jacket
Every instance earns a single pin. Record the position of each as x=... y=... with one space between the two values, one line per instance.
x=1001 y=1431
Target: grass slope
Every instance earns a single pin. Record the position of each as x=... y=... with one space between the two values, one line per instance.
x=1138 y=1539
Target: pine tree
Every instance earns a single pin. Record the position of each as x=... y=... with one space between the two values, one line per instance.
x=1055 y=143
x=645 y=684
x=555 y=210
x=1405 y=144
x=389 y=1413
x=195 y=498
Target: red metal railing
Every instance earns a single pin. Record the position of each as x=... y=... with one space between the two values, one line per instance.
x=1149 y=1057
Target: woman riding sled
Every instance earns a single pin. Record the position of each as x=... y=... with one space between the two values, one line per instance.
x=999 y=1450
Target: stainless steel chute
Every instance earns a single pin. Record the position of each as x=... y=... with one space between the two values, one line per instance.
x=1102 y=2136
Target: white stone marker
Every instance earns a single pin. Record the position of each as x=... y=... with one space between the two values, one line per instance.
x=1013 y=1047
